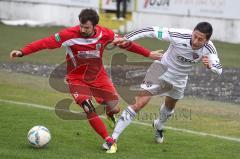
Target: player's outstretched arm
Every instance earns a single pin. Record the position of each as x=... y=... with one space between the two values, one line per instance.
x=126 y=44
x=148 y=32
x=51 y=42
x=136 y=48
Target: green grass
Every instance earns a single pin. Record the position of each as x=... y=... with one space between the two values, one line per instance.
x=15 y=37
x=136 y=142
x=75 y=138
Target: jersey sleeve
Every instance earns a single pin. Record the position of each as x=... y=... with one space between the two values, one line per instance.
x=131 y=46
x=214 y=60
x=51 y=42
x=157 y=32
x=138 y=49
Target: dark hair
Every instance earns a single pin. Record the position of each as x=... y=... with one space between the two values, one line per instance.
x=206 y=28
x=88 y=15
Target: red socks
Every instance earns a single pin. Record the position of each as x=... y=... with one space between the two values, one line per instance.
x=98 y=125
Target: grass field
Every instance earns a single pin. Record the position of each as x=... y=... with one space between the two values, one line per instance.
x=75 y=139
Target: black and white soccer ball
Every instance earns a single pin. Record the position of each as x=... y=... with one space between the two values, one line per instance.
x=39 y=136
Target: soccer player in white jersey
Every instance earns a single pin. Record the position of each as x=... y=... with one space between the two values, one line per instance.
x=168 y=75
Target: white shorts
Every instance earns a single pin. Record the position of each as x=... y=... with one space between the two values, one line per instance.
x=155 y=83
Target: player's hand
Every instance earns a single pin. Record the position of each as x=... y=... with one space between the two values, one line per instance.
x=206 y=62
x=156 y=55
x=120 y=42
x=16 y=53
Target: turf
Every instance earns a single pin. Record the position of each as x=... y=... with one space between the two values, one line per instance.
x=75 y=139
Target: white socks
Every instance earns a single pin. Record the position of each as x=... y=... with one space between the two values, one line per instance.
x=165 y=113
x=125 y=119
x=129 y=114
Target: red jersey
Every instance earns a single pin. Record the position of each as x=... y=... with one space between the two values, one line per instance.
x=83 y=54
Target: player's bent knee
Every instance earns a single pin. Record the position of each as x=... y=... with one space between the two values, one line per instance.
x=116 y=110
x=112 y=103
x=113 y=106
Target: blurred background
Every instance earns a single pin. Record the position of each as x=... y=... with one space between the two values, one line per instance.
x=223 y=14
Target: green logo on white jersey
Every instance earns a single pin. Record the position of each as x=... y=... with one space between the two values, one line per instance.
x=160 y=33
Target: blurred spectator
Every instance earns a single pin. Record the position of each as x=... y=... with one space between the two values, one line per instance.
x=121 y=11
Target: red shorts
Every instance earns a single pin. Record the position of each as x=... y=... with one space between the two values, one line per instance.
x=103 y=91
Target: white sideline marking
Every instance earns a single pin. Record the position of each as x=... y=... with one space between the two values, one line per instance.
x=136 y=122
x=194 y=132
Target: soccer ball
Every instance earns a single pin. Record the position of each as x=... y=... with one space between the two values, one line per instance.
x=39 y=136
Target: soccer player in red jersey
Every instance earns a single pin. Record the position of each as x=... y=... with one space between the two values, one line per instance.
x=86 y=76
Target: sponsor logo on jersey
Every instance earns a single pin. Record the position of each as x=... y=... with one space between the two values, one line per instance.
x=89 y=54
x=185 y=45
x=184 y=60
x=88 y=40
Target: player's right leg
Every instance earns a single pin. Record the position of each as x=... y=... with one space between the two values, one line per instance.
x=95 y=121
x=128 y=115
x=82 y=96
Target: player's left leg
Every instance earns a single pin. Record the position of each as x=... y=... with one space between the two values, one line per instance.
x=106 y=95
x=166 y=111
x=110 y=108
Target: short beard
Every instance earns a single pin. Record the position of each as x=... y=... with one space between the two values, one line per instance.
x=85 y=35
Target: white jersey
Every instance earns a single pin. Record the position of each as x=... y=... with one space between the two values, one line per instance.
x=179 y=57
